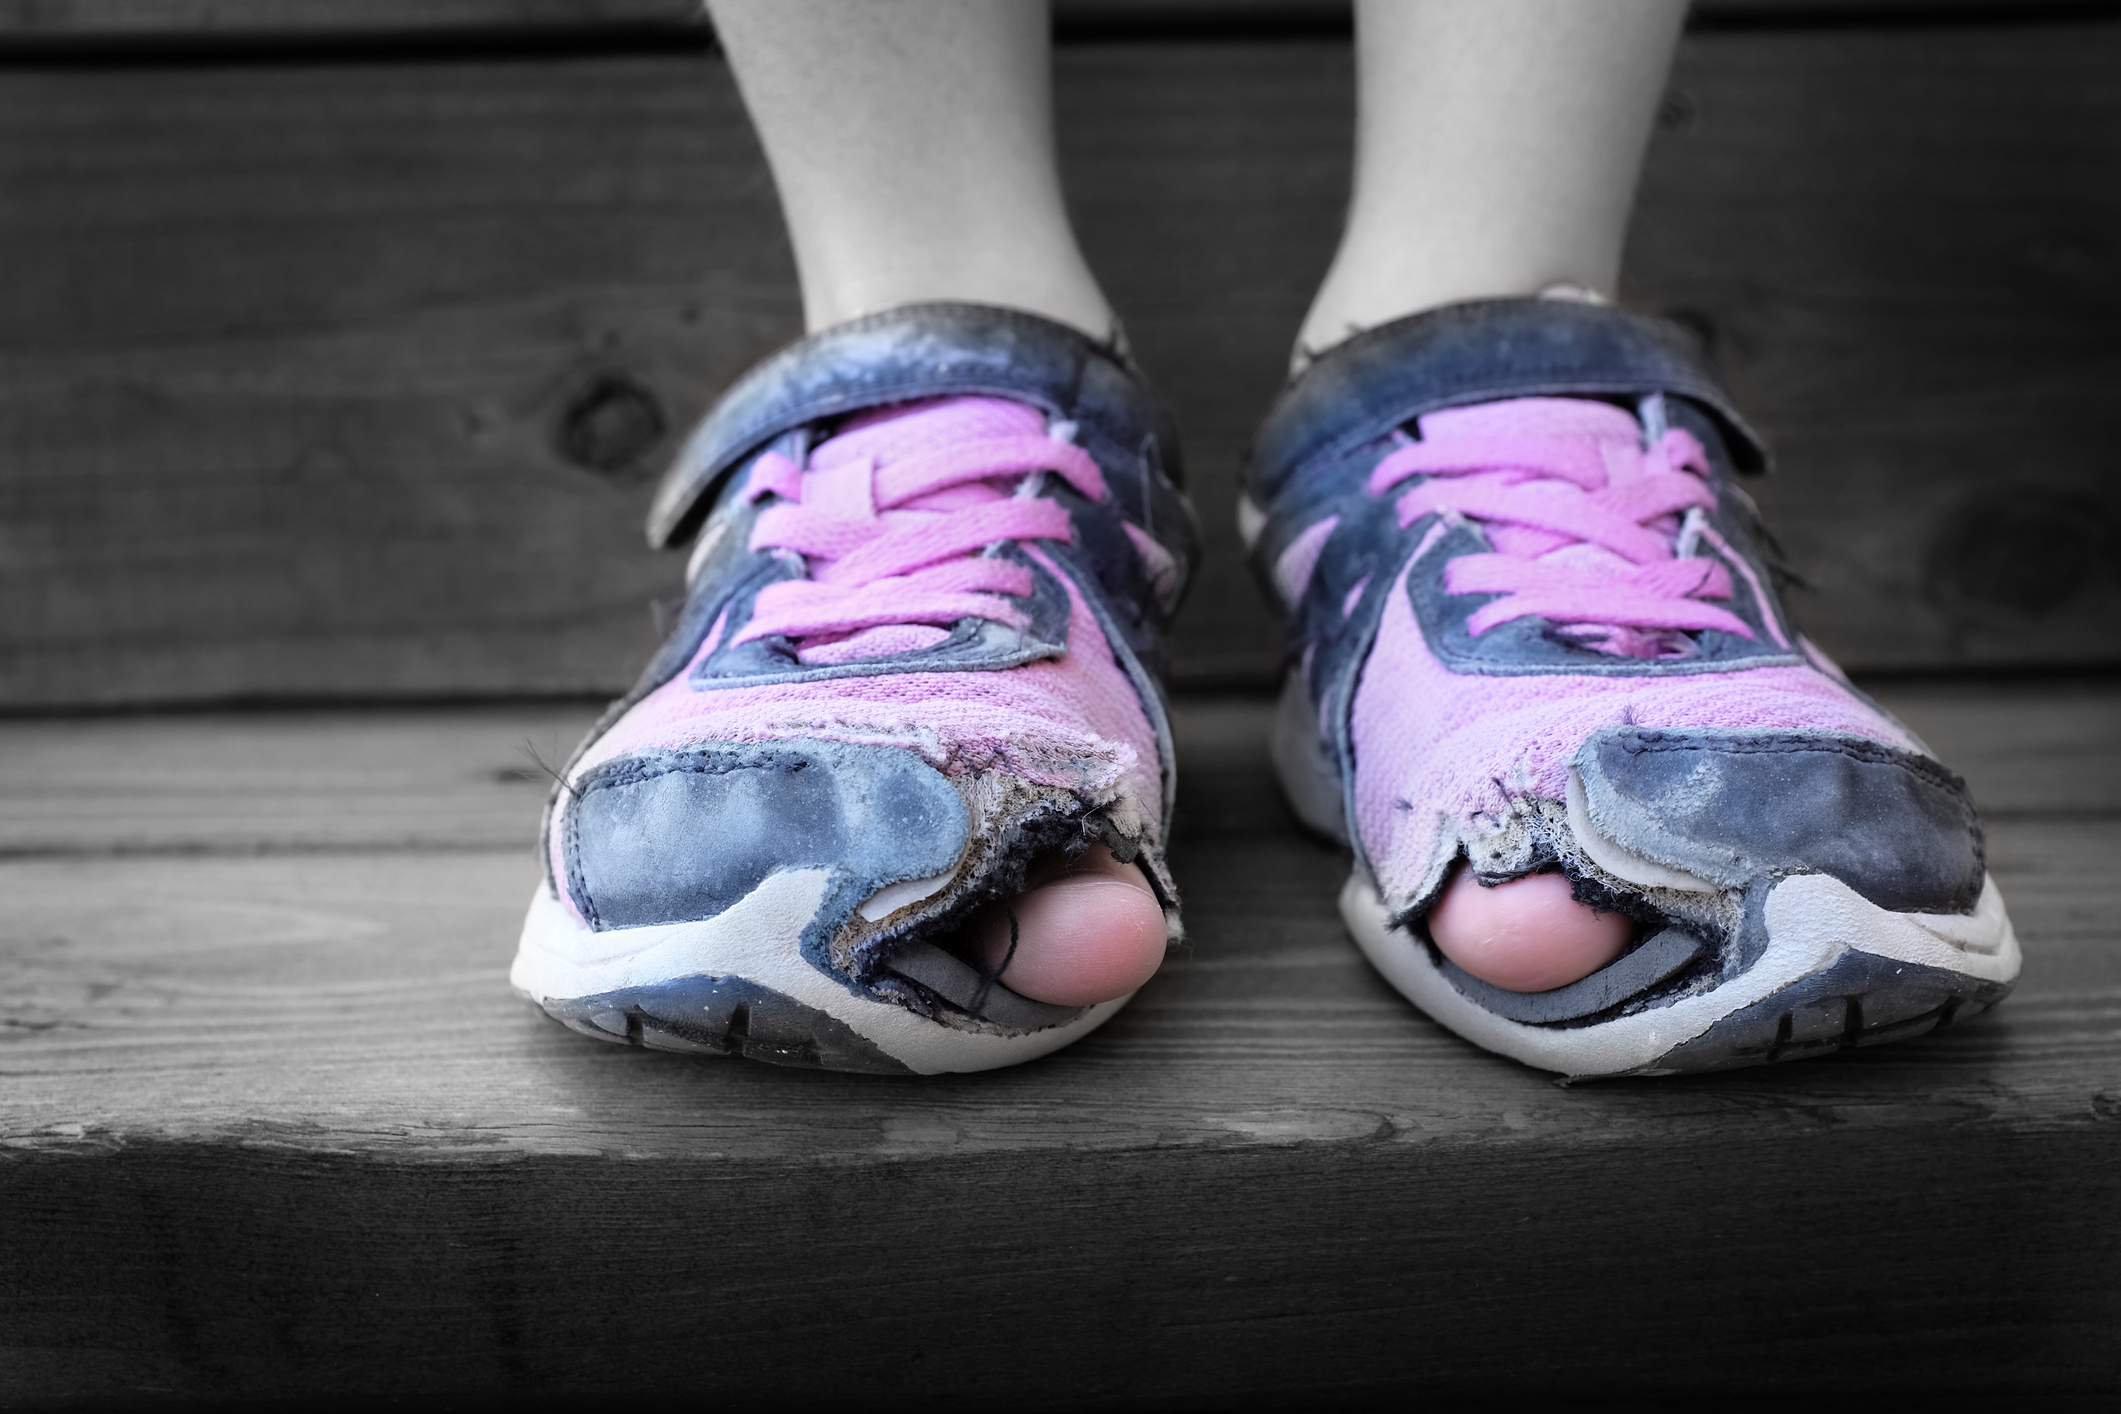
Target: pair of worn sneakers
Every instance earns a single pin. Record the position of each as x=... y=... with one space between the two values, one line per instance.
x=1530 y=627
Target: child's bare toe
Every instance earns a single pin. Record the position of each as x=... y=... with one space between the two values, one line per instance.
x=1087 y=930
x=1528 y=935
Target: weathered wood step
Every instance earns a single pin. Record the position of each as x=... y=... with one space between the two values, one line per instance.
x=272 y=1124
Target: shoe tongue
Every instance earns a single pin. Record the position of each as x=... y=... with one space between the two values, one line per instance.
x=1541 y=417
x=907 y=429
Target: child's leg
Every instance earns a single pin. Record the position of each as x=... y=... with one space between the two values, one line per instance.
x=1497 y=148
x=913 y=148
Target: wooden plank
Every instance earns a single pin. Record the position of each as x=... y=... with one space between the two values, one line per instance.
x=2048 y=749
x=1177 y=1279
x=386 y=431
x=80 y=26
x=1900 y=246
x=286 y=388
x=360 y=1001
x=370 y=796
x=275 y=782
x=251 y=19
x=259 y=19
x=272 y=1126
x=89 y=29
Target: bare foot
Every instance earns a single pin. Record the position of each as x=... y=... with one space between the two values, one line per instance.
x=1087 y=930
x=1527 y=935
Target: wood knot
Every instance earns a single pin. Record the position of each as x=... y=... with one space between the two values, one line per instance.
x=610 y=425
x=2026 y=552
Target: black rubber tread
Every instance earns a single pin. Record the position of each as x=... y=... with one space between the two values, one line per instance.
x=1860 y=1000
x=724 y=1016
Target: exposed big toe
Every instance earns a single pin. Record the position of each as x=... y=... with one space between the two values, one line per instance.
x=1083 y=936
x=1528 y=935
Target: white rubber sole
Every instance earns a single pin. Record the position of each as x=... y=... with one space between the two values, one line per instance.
x=1814 y=923
x=754 y=941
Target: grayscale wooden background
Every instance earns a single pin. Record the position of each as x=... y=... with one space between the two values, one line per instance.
x=347 y=378
x=340 y=344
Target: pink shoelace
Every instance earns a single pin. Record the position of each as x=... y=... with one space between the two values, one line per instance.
x=899 y=520
x=1596 y=533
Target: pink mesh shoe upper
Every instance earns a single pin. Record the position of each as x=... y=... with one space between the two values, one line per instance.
x=1596 y=529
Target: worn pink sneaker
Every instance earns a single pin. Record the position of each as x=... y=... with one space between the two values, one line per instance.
x=1533 y=630
x=936 y=550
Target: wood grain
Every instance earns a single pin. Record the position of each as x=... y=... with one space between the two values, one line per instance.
x=360 y=1002
x=280 y=782
x=239 y=882
x=271 y=1124
x=345 y=381
x=287 y=409
x=134 y=19
x=194 y=19
x=1929 y=225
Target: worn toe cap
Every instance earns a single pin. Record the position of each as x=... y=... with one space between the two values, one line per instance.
x=1729 y=806
x=677 y=835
